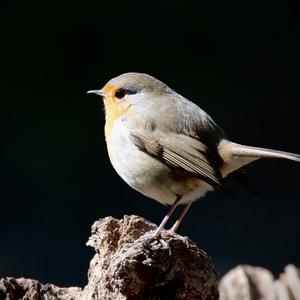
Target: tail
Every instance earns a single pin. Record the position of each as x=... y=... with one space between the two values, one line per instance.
x=235 y=155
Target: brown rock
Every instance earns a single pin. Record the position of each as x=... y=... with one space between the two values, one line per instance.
x=256 y=283
x=129 y=264
x=29 y=289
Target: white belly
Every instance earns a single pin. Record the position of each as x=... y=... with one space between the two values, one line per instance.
x=148 y=175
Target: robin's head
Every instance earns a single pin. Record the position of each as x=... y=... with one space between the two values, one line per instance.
x=129 y=87
x=129 y=93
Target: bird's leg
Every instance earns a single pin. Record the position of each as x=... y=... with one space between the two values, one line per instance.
x=166 y=218
x=179 y=220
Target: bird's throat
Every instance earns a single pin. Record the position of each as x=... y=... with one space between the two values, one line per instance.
x=113 y=111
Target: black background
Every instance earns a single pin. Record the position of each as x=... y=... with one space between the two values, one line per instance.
x=239 y=62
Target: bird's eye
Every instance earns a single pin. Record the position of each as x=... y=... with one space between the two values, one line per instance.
x=120 y=94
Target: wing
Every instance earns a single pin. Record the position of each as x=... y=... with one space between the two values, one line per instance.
x=181 y=152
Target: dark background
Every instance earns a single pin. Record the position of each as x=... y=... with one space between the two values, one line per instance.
x=239 y=62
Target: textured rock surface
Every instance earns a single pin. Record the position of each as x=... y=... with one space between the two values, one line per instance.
x=255 y=283
x=29 y=289
x=129 y=264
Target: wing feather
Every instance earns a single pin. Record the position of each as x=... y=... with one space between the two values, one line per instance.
x=180 y=152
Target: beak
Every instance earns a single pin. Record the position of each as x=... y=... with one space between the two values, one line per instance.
x=96 y=92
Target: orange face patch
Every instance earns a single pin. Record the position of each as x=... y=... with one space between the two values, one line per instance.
x=109 y=90
x=114 y=108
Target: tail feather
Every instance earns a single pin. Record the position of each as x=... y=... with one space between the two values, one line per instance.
x=241 y=150
x=235 y=155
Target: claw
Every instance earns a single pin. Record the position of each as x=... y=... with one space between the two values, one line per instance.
x=157 y=234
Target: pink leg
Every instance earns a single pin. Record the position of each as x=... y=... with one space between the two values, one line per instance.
x=166 y=218
x=179 y=220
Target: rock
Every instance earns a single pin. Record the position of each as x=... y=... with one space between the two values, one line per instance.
x=256 y=283
x=29 y=289
x=130 y=264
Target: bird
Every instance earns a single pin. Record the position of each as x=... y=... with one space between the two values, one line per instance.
x=166 y=147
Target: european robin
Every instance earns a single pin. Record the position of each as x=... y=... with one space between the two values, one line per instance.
x=165 y=146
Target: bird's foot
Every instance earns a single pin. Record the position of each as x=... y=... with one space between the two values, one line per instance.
x=173 y=233
x=155 y=237
x=152 y=235
x=157 y=234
